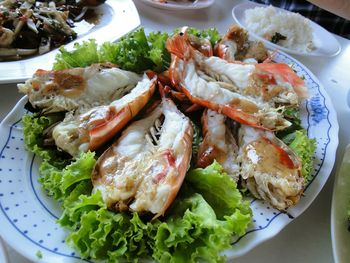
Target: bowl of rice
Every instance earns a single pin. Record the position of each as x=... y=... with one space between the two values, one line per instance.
x=284 y=30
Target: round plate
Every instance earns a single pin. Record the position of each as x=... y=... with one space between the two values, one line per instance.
x=28 y=216
x=179 y=5
x=116 y=19
x=325 y=43
x=340 y=208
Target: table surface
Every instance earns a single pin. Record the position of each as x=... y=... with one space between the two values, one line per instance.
x=308 y=237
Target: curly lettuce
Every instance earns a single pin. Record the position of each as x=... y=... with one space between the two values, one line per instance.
x=135 y=52
x=82 y=55
x=296 y=138
x=212 y=34
x=33 y=129
x=59 y=183
x=304 y=147
x=193 y=229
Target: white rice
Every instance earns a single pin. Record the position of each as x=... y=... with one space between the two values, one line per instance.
x=266 y=21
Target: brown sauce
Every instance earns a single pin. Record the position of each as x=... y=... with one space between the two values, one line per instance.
x=244 y=105
x=269 y=158
x=263 y=85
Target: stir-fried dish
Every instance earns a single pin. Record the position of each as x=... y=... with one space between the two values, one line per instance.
x=156 y=156
x=29 y=27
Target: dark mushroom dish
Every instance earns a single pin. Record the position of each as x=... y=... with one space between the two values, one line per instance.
x=29 y=27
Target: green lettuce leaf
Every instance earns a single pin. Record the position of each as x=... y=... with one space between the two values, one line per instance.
x=219 y=190
x=135 y=52
x=292 y=115
x=100 y=233
x=108 y=52
x=33 y=128
x=60 y=182
x=211 y=33
x=305 y=148
x=193 y=232
x=83 y=55
x=158 y=53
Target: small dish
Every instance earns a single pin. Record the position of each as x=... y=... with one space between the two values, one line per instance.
x=179 y=5
x=112 y=14
x=325 y=43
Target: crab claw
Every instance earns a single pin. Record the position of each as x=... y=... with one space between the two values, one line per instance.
x=90 y=130
x=144 y=169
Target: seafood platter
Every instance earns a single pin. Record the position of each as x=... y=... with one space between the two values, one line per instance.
x=183 y=147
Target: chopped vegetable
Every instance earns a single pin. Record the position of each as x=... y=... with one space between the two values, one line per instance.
x=277 y=37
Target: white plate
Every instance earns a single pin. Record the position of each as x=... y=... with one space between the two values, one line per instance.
x=116 y=19
x=28 y=216
x=325 y=43
x=178 y=5
x=340 y=208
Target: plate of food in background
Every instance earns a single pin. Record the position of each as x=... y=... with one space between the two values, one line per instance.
x=33 y=31
x=285 y=30
x=179 y=4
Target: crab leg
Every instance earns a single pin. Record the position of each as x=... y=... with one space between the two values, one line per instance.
x=144 y=169
x=89 y=130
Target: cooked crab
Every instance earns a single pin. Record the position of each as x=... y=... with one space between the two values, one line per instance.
x=77 y=88
x=144 y=169
x=89 y=130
